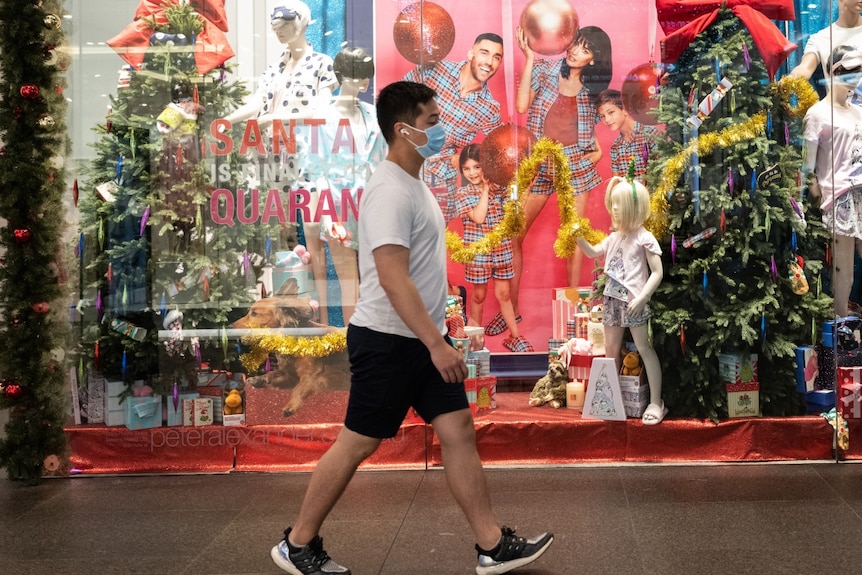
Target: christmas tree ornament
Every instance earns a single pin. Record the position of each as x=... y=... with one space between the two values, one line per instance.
x=705 y=283
x=424 y=33
x=145 y=217
x=22 y=235
x=773 y=269
x=75 y=192
x=52 y=21
x=798 y=281
x=746 y=57
x=502 y=151
x=549 y=25
x=14 y=391
x=175 y=396
x=41 y=307
x=109 y=275
x=704 y=235
x=673 y=249
x=97 y=355
x=51 y=463
x=47 y=122
x=722 y=222
x=29 y=91
x=682 y=338
x=640 y=92
x=763 y=327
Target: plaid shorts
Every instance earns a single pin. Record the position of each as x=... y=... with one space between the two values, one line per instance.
x=615 y=313
x=482 y=273
x=584 y=174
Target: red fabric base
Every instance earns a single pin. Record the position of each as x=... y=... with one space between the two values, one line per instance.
x=513 y=434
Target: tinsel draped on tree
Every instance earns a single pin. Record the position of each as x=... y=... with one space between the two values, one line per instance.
x=33 y=147
x=730 y=292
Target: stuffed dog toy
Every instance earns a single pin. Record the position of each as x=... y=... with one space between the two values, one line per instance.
x=306 y=376
x=551 y=387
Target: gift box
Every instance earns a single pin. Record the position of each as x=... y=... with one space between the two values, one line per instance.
x=743 y=399
x=566 y=303
x=198 y=412
x=850 y=388
x=290 y=265
x=806 y=369
x=175 y=414
x=143 y=412
x=820 y=400
x=736 y=368
x=635 y=394
x=483 y=361
x=844 y=330
x=114 y=412
x=481 y=393
x=579 y=367
x=596 y=336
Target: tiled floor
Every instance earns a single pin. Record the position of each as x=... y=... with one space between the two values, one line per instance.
x=728 y=519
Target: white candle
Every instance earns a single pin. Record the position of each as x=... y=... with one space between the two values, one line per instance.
x=514 y=194
x=575 y=394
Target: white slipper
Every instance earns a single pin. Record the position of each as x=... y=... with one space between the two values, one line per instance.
x=654 y=414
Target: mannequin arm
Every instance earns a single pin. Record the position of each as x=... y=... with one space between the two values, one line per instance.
x=656 y=273
x=589 y=249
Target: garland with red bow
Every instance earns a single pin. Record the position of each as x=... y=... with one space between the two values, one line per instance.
x=210 y=46
x=683 y=20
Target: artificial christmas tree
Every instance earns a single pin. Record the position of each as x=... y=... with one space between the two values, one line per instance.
x=738 y=227
x=32 y=182
x=152 y=256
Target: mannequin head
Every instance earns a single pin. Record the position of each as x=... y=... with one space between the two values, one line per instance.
x=353 y=69
x=846 y=63
x=627 y=212
x=289 y=20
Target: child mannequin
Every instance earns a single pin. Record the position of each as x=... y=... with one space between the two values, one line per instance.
x=833 y=138
x=634 y=270
x=480 y=205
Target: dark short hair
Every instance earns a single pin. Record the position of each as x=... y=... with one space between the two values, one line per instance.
x=489 y=36
x=399 y=102
x=610 y=96
x=469 y=152
x=836 y=56
x=353 y=62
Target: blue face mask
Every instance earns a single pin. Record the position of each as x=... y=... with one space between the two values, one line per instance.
x=436 y=135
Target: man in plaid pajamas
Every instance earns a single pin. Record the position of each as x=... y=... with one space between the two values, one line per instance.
x=466 y=107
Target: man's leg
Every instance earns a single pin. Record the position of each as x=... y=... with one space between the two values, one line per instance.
x=331 y=476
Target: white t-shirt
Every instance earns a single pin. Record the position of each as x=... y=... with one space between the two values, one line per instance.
x=626 y=260
x=398 y=209
x=838 y=129
x=823 y=42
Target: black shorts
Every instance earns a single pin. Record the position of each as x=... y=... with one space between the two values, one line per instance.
x=389 y=375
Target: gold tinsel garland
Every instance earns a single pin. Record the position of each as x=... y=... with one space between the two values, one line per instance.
x=315 y=346
x=572 y=225
x=785 y=89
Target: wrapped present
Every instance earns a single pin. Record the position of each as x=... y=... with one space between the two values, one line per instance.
x=566 y=304
x=175 y=413
x=735 y=368
x=806 y=369
x=477 y=337
x=483 y=361
x=114 y=412
x=198 y=412
x=481 y=393
x=634 y=392
x=143 y=412
x=455 y=317
x=850 y=399
x=293 y=264
x=743 y=399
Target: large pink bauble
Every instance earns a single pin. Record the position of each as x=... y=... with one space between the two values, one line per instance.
x=640 y=92
x=550 y=25
x=502 y=150
x=424 y=33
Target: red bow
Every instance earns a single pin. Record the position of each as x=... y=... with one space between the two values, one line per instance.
x=211 y=48
x=683 y=20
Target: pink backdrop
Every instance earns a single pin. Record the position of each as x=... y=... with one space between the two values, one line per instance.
x=630 y=26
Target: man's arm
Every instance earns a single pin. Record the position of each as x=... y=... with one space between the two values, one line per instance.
x=392 y=263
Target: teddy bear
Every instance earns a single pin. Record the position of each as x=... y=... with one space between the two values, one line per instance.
x=631 y=364
x=551 y=387
x=233 y=403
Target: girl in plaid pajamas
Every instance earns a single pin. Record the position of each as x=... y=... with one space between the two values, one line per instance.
x=480 y=205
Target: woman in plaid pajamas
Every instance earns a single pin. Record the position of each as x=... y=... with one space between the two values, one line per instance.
x=480 y=205
x=559 y=96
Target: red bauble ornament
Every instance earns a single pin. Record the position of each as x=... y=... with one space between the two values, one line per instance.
x=22 y=235
x=13 y=391
x=640 y=92
x=502 y=150
x=550 y=25
x=29 y=91
x=41 y=307
x=424 y=33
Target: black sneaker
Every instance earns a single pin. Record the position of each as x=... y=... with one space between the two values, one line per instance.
x=309 y=559
x=512 y=552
